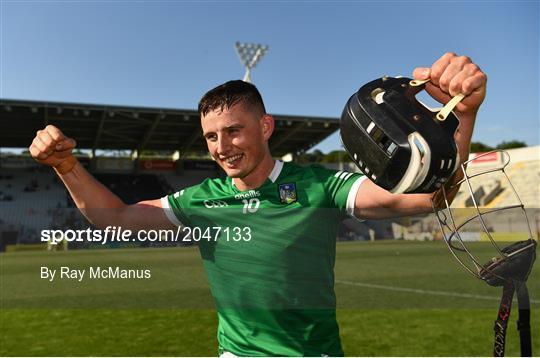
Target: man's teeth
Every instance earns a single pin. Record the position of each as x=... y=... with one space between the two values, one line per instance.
x=233 y=158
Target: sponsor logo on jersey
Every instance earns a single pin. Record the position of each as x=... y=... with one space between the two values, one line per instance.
x=212 y=204
x=287 y=193
x=248 y=195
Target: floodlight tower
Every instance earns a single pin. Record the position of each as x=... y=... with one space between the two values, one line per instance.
x=250 y=54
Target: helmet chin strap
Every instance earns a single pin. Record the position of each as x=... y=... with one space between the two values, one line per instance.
x=448 y=108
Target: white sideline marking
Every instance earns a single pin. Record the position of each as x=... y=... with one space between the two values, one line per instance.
x=424 y=292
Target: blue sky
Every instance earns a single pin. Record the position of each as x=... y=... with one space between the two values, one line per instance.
x=167 y=54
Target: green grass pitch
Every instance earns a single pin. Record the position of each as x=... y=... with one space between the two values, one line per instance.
x=394 y=298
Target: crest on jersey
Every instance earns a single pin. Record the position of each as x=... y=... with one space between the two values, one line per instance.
x=287 y=193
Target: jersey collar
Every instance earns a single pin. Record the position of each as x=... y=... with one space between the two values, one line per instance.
x=274 y=174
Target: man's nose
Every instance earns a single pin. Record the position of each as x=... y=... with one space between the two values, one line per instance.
x=223 y=145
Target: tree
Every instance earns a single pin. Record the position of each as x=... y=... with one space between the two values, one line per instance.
x=477 y=147
x=336 y=156
x=314 y=157
x=511 y=144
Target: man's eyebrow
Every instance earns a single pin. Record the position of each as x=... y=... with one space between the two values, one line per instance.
x=235 y=125
x=231 y=126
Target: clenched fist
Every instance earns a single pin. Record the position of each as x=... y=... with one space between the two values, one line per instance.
x=452 y=74
x=51 y=147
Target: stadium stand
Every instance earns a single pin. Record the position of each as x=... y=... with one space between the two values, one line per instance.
x=30 y=199
x=190 y=172
x=133 y=188
x=493 y=189
x=97 y=126
x=33 y=199
x=525 y=176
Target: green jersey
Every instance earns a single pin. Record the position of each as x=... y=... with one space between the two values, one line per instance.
x=269 y=256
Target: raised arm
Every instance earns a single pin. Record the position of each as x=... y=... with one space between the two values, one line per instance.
x=97 y=203
x=450 y=75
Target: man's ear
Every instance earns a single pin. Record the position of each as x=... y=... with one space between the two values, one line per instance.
x=267 y=126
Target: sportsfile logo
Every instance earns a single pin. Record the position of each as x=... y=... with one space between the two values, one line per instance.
x=212 y=204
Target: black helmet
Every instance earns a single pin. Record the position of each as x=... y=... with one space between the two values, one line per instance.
x=395 y=140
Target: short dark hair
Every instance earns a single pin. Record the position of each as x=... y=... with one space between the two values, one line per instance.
x=230 y=93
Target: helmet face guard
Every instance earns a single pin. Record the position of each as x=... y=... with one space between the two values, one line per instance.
x=508 y=267
x=397 y=142
x=510 y=263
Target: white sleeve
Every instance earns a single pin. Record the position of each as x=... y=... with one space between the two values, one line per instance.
x=169 y=211
x=351 y=198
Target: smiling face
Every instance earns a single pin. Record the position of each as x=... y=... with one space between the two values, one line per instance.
x=237 y=138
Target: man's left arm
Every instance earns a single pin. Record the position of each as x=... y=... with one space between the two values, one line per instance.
x=449 y=76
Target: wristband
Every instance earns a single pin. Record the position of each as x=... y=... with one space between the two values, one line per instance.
x=66 y=166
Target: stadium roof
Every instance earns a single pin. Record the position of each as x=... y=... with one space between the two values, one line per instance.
x=97 y=126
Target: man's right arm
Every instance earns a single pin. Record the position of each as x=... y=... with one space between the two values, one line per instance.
x=97 y=203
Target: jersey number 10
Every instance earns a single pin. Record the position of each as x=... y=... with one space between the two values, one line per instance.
x=251 y=205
